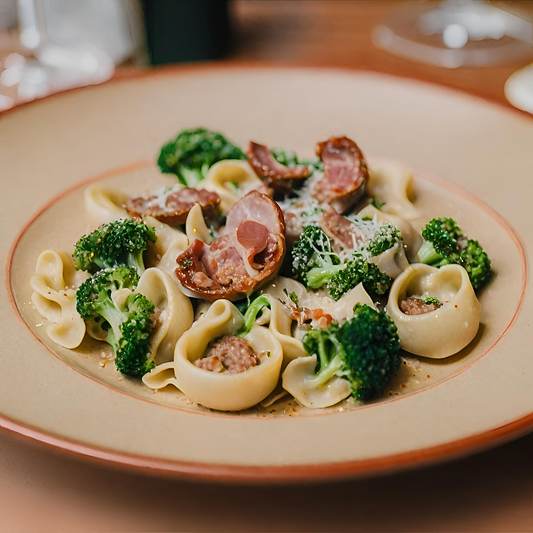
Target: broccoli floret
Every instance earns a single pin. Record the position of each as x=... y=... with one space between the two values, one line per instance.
x=316 y=265
x=444 y=243
x=313 y=261
x=356 y=271
x=364 y=350
x=384 y=239
x=130 y=325
x=253 y=311
x=193 y=152
x=118 y=243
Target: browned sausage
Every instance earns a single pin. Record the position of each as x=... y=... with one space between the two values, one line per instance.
x=277 y=176
x=172 y=207
x=247 y=254
x=345 y=174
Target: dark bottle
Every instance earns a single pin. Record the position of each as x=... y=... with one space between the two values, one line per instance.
x=186 y=30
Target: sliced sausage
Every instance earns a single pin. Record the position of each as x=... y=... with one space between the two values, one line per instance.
x=173 y=205
x=247 y=254
x=345 y=174
x=338 y=228
x=277 y=176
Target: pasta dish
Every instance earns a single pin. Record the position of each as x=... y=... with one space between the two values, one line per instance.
x=261 y=274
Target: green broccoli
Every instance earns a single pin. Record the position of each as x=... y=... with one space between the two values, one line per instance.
x=252 y=312
x=356 y=271
x=444 y=243
x=316 y=265
x=384 y=239
x=130 y=325
x=364 y=350
x=118 y=243
x=193 y=152
x=313 y=261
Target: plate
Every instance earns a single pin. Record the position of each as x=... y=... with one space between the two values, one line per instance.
x=468 y=154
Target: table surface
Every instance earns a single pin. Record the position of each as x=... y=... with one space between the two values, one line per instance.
x=44 y=490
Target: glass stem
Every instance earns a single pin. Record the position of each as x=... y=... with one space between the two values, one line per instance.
x=31 y=24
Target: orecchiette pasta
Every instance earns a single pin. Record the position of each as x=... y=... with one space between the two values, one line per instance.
x=175 y=312
x=230 y=179
x=169 y=245
x=105 y=204
x=299 y=378
x=392 y=261
x=448 y=329
x=391 y=183
x=221 y=390
x=54 y=285
x=195 y=226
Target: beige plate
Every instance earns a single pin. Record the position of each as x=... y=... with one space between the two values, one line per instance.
x=113 y=132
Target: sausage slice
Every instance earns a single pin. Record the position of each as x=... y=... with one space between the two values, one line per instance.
x=345 y=174
x=247 y=254
x=172 y=206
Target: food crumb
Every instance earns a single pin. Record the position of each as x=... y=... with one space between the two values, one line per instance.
x=404 y=385
x=429 y=376
x=294 y=409
x=273 y=411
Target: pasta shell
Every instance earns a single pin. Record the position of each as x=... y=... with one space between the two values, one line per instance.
x=222 y=391
x=391 y=183
x=447 y=330
x=231 y=179
x=195 y=226
x=175 y=312
x=298 y=379
x=105 y=204
x=55 y=300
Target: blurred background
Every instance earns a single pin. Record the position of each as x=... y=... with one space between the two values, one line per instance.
x=480 y=46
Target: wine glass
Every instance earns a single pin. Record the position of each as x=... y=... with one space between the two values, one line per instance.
x=455 y=33
x=44 y=67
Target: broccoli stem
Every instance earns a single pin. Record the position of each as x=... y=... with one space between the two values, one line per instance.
x=328 y=368
x=191 y=177
x=318 y=277
x=115 y=318
x=328 y=372
x=427 y=253
x=251 y=313
x=136 y=261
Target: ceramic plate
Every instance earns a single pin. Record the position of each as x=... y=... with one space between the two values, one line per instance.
x=472 y=160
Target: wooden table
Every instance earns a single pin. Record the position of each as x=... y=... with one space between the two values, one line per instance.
x=338 y=34
x=43 y=490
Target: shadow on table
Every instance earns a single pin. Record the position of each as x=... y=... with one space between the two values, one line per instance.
x=491 y=491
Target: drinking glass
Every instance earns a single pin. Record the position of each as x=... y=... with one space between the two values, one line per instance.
x=455 y=33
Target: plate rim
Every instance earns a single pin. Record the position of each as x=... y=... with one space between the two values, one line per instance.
x=226 y=473
x=283 y=473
